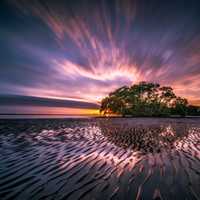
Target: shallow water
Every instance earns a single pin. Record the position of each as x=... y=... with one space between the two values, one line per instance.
x=73 y=159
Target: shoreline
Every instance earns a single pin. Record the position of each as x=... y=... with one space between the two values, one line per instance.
x=189 y=116
x=62 y=116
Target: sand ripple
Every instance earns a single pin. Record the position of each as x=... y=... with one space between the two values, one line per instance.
x=100 y=159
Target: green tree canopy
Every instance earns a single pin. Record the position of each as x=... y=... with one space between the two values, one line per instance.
x=144 y=99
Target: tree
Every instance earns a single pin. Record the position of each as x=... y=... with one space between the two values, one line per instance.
x=111 y=105
x=181 y=106
x=193 y=110
x=144 y=99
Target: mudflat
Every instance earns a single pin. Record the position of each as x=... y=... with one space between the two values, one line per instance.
x=100 y=158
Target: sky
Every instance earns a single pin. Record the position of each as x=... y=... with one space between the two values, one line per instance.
x=65 y=56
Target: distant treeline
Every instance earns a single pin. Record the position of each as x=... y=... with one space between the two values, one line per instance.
x=146 y=99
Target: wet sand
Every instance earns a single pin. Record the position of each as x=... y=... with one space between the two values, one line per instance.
x=120 y=158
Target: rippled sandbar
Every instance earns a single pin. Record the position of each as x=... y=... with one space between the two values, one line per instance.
x=90 y=159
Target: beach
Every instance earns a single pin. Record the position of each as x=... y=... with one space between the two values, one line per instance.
x=100 y=158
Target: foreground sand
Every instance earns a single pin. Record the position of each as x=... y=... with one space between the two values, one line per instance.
x=100 y=159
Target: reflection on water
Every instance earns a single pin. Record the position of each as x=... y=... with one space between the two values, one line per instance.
x=100 y=159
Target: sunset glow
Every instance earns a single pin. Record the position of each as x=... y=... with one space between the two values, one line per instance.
x=60 y=50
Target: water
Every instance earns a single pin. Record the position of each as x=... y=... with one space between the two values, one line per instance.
x=90 y=158
x=31 y=116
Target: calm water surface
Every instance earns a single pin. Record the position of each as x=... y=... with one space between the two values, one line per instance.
x=100 y=159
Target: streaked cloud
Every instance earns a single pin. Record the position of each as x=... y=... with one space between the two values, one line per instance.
x=37 y=105
x=82 y=50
